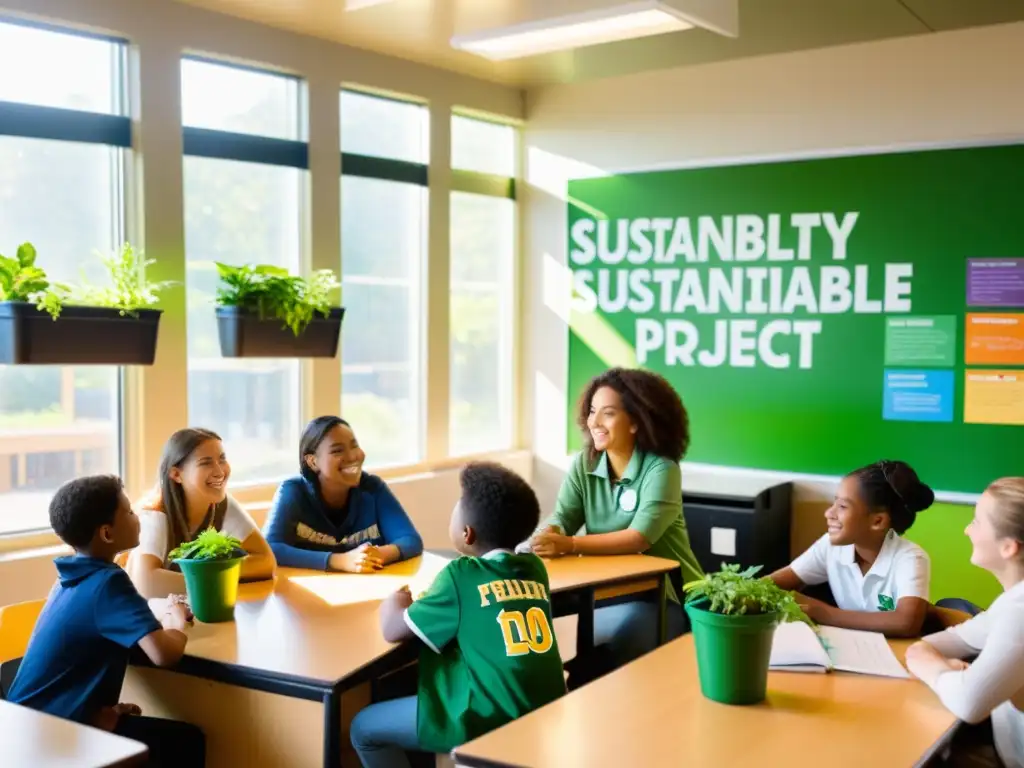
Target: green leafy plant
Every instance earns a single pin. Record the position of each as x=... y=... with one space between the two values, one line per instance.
x=22 y=280
x=211 y=544
x=273 y=292
x=129 y=290
x=735 y=592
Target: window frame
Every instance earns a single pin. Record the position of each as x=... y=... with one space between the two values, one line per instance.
x=215 y=144
x=397 y=171
x=34 y=121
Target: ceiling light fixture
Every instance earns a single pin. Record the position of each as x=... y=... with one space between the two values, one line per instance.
x=355 y=5
x=602 y=21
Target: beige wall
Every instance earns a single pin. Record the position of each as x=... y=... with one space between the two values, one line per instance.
x=941 y=89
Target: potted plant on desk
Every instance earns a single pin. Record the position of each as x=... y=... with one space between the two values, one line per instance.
x=734 y=615
x=265 y=311
x=211 y=564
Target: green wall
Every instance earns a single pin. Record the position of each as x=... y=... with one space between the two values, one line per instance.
x=940 y=530
x=813 y=401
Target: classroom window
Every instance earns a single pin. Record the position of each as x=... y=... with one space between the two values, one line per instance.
x=483 y=248
x=63 y=196
x=243 y=207
x=383 y=222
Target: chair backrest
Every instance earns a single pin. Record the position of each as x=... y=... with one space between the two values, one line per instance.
x=16 y=624
x=940 y=618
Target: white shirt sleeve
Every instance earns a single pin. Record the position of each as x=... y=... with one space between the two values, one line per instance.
x=996 y=676
x=812 y=566
x=152 y=534
x=912 y=574
x=237 y=522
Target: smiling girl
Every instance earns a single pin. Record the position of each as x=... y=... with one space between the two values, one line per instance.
x=334 y=516
x=190 y=497
x=625 y=487
x=994 y=683
x=879 y=580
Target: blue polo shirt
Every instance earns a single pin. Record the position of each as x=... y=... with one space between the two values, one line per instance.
x=78 y=654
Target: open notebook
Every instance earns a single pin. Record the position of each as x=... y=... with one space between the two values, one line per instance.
x=798 y=648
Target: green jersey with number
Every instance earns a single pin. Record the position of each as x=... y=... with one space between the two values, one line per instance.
x=491 y=652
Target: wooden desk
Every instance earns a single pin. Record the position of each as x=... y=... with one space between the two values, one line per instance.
x=313 y=635
x=31 y=738
x=651 y=713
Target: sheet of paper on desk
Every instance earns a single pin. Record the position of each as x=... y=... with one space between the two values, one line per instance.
x=866 y=653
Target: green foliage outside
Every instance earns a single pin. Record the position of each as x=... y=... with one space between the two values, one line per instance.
x=273 y=292
x=735 y=592
x=211 y=544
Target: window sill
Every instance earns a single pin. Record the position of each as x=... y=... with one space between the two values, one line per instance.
x=255 y=498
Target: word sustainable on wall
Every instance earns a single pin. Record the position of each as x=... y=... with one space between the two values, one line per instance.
x=773 y=277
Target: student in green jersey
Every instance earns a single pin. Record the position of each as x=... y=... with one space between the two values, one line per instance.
x=625 y=487
x=489 y=653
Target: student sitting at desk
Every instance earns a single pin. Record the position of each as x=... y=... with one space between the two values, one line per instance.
x=489 y=651
x=334 y=516
x=190 y=497
x=625 y=486
x=76 y=660
x=994 y=683
x=878 y=579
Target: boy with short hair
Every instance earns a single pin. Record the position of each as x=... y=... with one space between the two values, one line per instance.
x=78 y=654
x=490 y=653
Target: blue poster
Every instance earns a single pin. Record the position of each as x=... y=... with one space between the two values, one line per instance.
x=918 y=395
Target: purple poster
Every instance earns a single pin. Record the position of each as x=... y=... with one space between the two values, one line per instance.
x=995 y=282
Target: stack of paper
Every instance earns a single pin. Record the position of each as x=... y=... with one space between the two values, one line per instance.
x=798 y=648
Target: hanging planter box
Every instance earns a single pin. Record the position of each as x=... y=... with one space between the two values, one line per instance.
x=243 y=334
x=80 y=336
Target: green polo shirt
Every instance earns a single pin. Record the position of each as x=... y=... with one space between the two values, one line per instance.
x=647 y=498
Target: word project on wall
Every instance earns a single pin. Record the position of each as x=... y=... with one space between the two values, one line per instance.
x=815 y=315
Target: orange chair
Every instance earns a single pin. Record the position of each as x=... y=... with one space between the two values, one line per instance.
x=16 y=624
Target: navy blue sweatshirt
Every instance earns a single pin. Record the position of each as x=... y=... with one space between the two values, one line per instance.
x=303 y=532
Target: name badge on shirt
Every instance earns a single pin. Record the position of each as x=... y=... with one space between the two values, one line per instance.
x=627 y=499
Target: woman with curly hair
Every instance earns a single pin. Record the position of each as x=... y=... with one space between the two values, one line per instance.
x=625 y=487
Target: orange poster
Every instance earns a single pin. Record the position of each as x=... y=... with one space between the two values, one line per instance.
x=994 y=397
x=994 y=339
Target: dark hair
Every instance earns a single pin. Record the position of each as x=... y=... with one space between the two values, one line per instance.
x=81 y=506
x=314 y=434
x=498 y=504
x=663 y=426
x=895 y=487
x=177 y=450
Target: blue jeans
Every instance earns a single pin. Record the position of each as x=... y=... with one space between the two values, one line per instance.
x=631 y=629
x=382 y=733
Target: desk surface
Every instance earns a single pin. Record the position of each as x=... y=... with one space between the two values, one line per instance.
x=30 y=738
x=324 y=626
x=652 y=713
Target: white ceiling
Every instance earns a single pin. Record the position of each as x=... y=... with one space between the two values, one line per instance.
x=420 y=30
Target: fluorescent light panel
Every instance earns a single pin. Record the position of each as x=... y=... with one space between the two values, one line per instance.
x=622 y=21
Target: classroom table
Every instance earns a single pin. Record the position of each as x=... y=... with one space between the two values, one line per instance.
x=313 y=635
x=651 y=713
x=32 y=738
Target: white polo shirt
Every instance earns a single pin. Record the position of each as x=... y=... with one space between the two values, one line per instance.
x=901 y=570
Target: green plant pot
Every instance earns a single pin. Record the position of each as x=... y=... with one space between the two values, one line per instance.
x=732 y=654
x=212 y=587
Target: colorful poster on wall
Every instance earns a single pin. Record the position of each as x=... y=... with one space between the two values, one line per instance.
x=995 y=282
x=781 y=298
x=918 y=396
x=992 y=339
x=915 y=340
x=994 y=397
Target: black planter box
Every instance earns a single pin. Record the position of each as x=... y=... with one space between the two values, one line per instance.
x=80 y=336
x=244 y=334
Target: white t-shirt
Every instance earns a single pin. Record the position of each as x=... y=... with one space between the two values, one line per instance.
x=153 y=533
x=994 y=683
x=901 y=570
